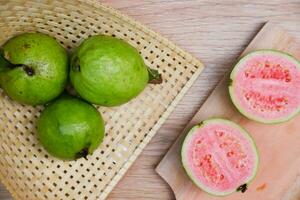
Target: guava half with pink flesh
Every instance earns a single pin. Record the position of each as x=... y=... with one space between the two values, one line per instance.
x=265 y=86
x=220 y=157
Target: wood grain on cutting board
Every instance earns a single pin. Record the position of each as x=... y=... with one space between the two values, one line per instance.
x=278 y=175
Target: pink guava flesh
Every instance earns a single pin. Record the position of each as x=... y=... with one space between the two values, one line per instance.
x=220 y=157
x=266 y=86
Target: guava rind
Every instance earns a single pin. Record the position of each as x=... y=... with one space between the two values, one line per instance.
x=234 y=98
x=186 y=164
x=69 y=128
x=48 y=61
x=107 y=71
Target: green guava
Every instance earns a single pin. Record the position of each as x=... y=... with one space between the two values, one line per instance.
x=33 y=68
x=70 y=128
x=109 y=71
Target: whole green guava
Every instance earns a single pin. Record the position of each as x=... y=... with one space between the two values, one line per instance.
x=70 y=128
x=109 y=71
x=33 y=68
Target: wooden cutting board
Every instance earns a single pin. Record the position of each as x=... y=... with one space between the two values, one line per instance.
x=278 y=175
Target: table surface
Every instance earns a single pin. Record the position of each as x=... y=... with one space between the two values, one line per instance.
x=214 y=31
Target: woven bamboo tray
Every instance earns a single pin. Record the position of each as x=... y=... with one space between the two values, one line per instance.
x=26 y=169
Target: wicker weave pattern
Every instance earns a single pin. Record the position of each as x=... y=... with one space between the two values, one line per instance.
x=25 y=167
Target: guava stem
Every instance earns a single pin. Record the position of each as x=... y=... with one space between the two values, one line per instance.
x=75 y=64
x=76 y=67
x=242 y=188
x=154 y=76
x=83 y=153
x=29 y=70
x=71 y=90
x=7 y=65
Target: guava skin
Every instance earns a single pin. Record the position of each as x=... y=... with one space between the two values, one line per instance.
x=37 y=71
x=107 y=71
x=70 y=128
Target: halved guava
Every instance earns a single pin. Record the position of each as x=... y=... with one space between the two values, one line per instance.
x=220 y=157
x=265 y=86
